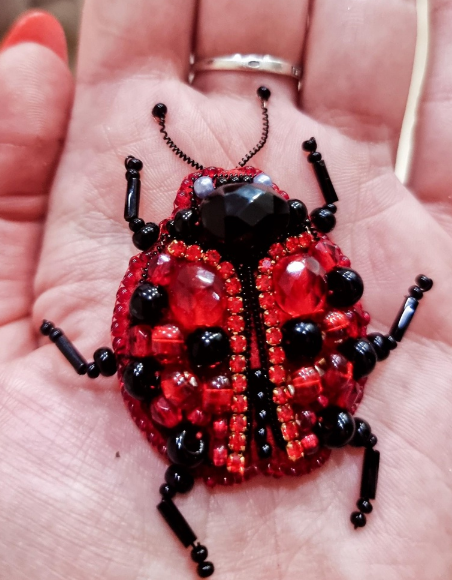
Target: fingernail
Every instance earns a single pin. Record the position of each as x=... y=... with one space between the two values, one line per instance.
x=40 y=27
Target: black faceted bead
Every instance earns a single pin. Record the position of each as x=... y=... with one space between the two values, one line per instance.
x=199 y=553
x=301 y=338
x=345 y=286
x=265 y=451
x=424 y=282
x=310 y=145
x=93 y=371
x=298 y=215
x=362 y=354
x=362 y=433
x=136 y=224
x=186 y=224
x=179 y=478
x=133 y=163
x=159 y=111
x=244 y=218
x=105 y=361
x=208 y=346
x=166 y=490
x=140 y=379
x=380 y=344
x=148 y=302
x=146 y=237
x=358 y=519
x=205 y=569
x=323 y=220
x=364 y=506
x=335 y=427
x=263 y=93
x=187 y=447
x=416 y=292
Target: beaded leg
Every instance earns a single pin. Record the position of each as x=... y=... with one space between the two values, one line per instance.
x=104 y=359
x=145 y=234
x=179 y=479
x=363 y=437
x=323 y=217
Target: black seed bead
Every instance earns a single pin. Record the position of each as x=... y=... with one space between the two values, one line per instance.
x=148 y=302
x=262 y=415
x=364 y=506
x=179 y=478
x=133 y=163
x=146 y=237
x=380 y=344
x=297 y=216
x=136 y=224
x=392 y=343
x=199 y=553
x=362 y=354
x=106 y=361
x=170 y=228
x=301 y=338
x=261 y=400
x=335 y=427
x=416 y=292
x=358 y=519
x=265 y=451
x=260 y=434
x=310 y=145
x=323 y=220
x=331 y=207
x=208 y=346
x=159 y=111
x=314 y=156
x=186 y=224
x=132 y=173
x=167 y=490
x=362 y=433
x=372 y=441
x=92 y=370
x=140 y=379
x=187 y=447
x=205 y=569
x=424 y=282
x=263 y=93
x=46 y=327
x=346 y=287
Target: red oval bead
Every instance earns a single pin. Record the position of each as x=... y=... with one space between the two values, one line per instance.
x=167 y=343
x=307 y=385
x=217 y=395
x=140 y=340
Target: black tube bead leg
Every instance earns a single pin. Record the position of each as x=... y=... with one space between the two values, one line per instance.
x=104 y=359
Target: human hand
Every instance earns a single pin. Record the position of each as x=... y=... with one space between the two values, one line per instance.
x=68 y=507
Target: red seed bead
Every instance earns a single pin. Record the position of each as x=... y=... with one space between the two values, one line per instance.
x=236 y=463
x=237 y=442
x=294 y=450
x=277 y=251
x=220 y=428
x=239 y=404
x=140 y=341
x=284 y=413
x=265 y=265
x=281 y=395
x=226 y=270
x=119 y=345
x=277 y=374
x=164 y=413
x=180 y=387
x=236 y=323
x=235 y=304
x=237 y=363
x=177 y=248
x=267 y=300
x=310 y=444
x=212 y=257
x=264 y=283
x=273 y=336
x=272 y=317
x=199 y=417
x=307 y=385
x=239 y=383
x=276 y=355
x=289 y=431
x=219 y=454
x=238 y=423
x=233 y=286
x=217 y=395
x=167 y=343
x=238 y=343
x=193 y=253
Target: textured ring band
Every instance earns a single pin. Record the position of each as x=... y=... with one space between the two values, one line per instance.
x=248 y=63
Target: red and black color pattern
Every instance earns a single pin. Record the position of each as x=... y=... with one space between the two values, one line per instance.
x=239 y=338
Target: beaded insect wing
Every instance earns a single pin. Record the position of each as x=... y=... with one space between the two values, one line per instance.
x=239 y=340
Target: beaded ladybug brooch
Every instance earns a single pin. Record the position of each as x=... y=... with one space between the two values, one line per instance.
x=238 y=336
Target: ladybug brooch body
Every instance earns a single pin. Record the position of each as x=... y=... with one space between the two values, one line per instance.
x=239 y=339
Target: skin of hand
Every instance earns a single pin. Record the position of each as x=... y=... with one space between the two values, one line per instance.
x=69 y=508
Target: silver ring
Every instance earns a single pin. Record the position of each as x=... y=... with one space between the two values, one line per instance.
x=248 y=63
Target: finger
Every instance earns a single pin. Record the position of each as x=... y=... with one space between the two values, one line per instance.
x=431 y=175
x=358 y=64
x=35 y=96
x=137 y=35
x=253 y=27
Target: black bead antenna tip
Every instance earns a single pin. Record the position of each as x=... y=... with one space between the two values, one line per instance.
x=159 y=111
x=263 y=93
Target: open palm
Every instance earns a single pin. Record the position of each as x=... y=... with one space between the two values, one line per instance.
x=69 y=506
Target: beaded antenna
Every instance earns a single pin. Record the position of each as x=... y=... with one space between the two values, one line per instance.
x=238 y=336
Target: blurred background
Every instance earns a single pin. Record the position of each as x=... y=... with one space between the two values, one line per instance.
x=68 y=13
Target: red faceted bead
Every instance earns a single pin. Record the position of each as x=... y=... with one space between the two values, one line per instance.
x=265 y=265
x=226 y=270
x=164 y=413
x=307 y=385
x=199 y=417
x=177 y=248
x=277 y=251
x=237 y=363
x=232 y=286
x=327 y=254
x=212 y=257
x=294 y=450
x=239 y=404
x=237 y=442
x=235 y=304
x=277 y=374
x=193 y=253
x=235 y=323
x=276 y=355
x=239 y=383
x=272 y=317
x=337 y=374
x=220 y=428
x=167 y=343
x=219 y=454
x=264 y=283
x=310 y=444
x=217 y=395
x=281 y=395
x=273 y=336
x=238 y=343
x=238 y=423
x=196 y=296
x=161 y=269
x=181 y=388
x=306 y=420
x=140 y=340
x=236 y=463
x=284 y=413
x=336 y=325
x=292 y=244
x=289 y=430
x=305 y=240
x=267 y=300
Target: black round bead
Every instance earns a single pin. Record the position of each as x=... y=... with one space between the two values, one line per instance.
x=346 y=287
x=136 y=224
x=335 y=427
x=362 y=433
x=364 y=506
x=362 y=354
x=106 y=361
x=263 y=93
x=331 y=207
x=199 y=553
x=358 y=519
x=265 y=451
x=205 y=569
x=140 y=380
x=424 y=282
x=187 y=447
x=416 y=292
x=244 y=215
x=146 y=237
x=148 y=302
x=310 y=145
x=314 y=156
x=380 y=344
x=392 y=343
x=260 y=434
x=301 y=338
x=208 y=346
x=93 y=371
x=159 y=111
x=46 y=327
x=298 y=215
x=323 y=220
x=179 y=478
x=372 y=441
x=133 y=163
x=167 y=491
x=186 y=224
